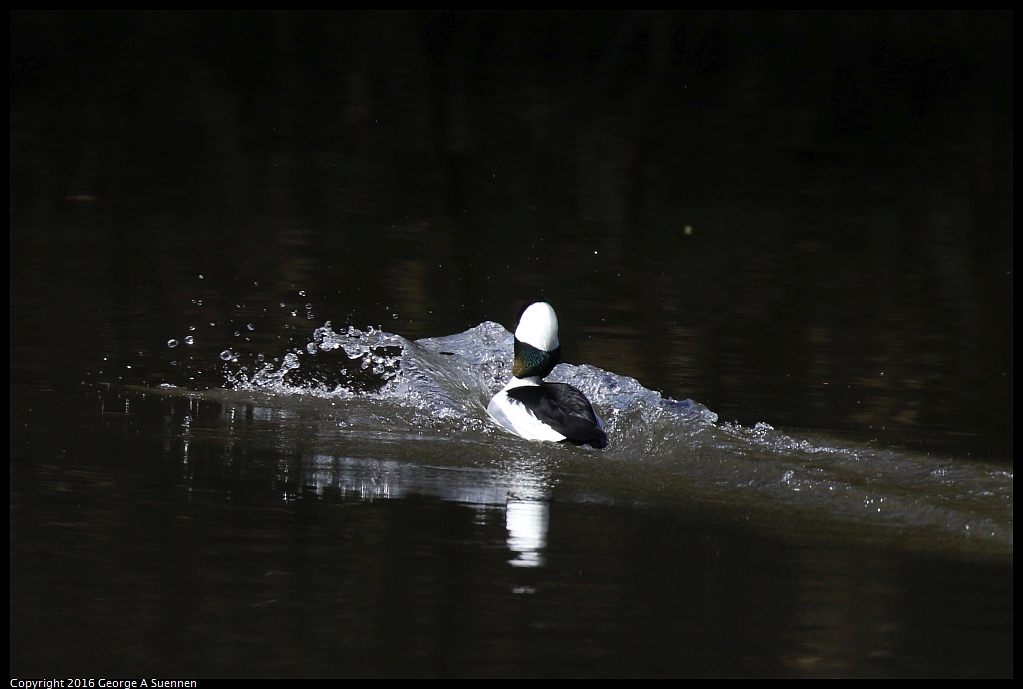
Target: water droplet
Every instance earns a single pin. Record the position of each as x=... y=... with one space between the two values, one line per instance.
x=227 y=355
x=172 y=343
x=189 y=340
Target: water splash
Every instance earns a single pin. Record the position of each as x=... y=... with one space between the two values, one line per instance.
x=333 y=364
x=398 y=390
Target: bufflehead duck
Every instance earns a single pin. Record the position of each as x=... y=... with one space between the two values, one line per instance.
x=533 y=409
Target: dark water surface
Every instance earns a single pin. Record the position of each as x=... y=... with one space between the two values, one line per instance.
x=802 y=223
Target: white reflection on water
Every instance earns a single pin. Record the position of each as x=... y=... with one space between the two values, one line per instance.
x=527 y=531
x=520 y=492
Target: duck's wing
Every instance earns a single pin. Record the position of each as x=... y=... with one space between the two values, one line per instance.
x=563 y=408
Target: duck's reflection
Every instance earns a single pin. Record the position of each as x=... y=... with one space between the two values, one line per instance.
x=526 y=521
x=520 y=491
